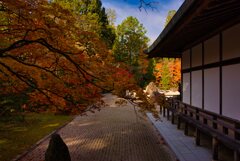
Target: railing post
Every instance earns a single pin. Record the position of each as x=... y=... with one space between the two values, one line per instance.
x=236 y=134
x=168 y=113
x=179 y=122
x=215 y=144
x=236 y=155
x=172 y=117
x=160 y=109
x=214 y=124
x=205 y=121
x=185 y=109
x=198 y=135
x=225 y=130
x=197 y=114
x=186 y=128
x=191 y=114
x=164 y=111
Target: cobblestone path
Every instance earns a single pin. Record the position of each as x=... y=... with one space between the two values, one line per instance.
x=113 y=134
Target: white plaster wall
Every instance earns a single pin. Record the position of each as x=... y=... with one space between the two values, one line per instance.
x=211 y=89
x=231 y=42
x=197 y=55
x=186 y=88
x=211 y=50
x=231 y=91
x=197 y=88
x=186 y=59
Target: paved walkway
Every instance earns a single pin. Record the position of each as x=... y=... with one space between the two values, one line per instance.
x=183 y=146
x=113 y=134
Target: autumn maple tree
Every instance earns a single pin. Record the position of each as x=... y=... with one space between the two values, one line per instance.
x=48 y=54
x=56 y=55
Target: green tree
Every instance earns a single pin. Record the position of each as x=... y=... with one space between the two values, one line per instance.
x=149 y=76
x=107 y=32
x=130 y=41
x=170 y=15
x=112 y=15
x=166 y=77
x=94 y=15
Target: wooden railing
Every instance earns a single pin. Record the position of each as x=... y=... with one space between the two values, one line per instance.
x=222 y=129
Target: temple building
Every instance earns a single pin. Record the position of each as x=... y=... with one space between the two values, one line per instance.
x=206 y=36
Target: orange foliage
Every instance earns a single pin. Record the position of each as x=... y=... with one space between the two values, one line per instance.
x=47 y=54
x=173 y=72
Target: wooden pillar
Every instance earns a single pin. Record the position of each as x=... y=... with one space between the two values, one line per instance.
x=178 y=122
x=168 y=113
x=160 y=110
x=186 y=128
x=236 y=134
x=191 y=114
x=197 y=139
x=205 y=121
x=236 y=155
x=164 y=111
x=214 y=123
x=197 y=114
x=185 y=109
x=215 y=144
x=225 y=130
x=172 y=117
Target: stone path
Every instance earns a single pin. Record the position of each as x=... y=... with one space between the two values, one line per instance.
x=113 y=134
x=183 y=146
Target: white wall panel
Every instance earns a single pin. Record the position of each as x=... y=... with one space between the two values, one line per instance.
x=231 y=42
x=231 y=91
x=211 y=50
x=197 y=55
x=186 y=88
x=197 y=88
x=186 y=59
x=211 y=89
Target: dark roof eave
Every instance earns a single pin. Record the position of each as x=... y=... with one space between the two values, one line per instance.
x=171 y=25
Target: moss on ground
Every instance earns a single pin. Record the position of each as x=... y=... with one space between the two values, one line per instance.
x=17 y=136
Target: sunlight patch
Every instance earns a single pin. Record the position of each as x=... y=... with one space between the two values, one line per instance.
x=51 y=125
x=3 y=141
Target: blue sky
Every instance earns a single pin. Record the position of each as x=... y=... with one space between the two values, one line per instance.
x=153 y=21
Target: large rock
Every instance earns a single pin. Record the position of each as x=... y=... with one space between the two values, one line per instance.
x=151 y=89
x=57 y=150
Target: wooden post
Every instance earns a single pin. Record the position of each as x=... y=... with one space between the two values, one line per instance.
x=168 y=113
x=185 y=109
x=205 y=121
x=186 y=128
x=164 y=111
x=197 y=114
x=236 y=134
x=178 y=122
x=197 y=139
x=191 y=114
x=160 y=109
x=214 y=123
x=225 y=130
x=215 y=148
x=236 y=155
x=172 y=117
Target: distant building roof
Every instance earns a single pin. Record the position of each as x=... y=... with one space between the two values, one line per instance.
x=195 y=21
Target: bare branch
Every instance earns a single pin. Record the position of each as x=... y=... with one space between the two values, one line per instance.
x=144 y=4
